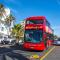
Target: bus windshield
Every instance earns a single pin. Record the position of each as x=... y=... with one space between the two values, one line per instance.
x=34 y=22
x=34 y=36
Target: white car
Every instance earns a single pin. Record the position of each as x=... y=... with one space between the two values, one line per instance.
x=1 y=39
x=56 y=42
x=11 y=40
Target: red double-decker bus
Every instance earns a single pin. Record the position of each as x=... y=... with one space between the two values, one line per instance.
x=38 y=33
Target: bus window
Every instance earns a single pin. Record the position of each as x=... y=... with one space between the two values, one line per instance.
x=34 y=22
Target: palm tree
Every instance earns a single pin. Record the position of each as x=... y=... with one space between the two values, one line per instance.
x=18 y=32
x=55 y=37
x=1 y=6
x=9 y=19
x=1 y=10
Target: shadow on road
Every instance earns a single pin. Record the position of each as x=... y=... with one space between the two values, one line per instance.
x=14 y=53
x=23 y=49
x=8 y=54
x=4 y=50
x=15 y=56
x=12 y=56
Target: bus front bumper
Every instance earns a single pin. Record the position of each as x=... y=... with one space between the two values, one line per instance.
x=35 y=46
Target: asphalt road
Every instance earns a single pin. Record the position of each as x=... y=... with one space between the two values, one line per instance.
x=8 y=52
x=54 y=55
x=16 y=53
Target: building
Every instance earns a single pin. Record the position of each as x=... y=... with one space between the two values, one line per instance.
x=22 y=23
x=5 y=30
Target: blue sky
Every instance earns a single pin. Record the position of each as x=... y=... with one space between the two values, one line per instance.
x=25 y=8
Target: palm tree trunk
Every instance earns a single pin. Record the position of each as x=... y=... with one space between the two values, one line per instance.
x=17 y=41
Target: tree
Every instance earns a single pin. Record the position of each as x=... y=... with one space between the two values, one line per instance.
x=1 y=10
x=55 y=37
x=17 y=32
x=9 y=19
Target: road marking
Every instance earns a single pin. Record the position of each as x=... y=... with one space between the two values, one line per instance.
x=47 y=53
x=35 y=56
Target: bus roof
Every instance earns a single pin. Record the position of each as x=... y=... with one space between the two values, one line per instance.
x=36 y=18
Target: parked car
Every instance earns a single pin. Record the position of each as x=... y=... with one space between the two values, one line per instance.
x=1 y=39
x=56 y=42
x=7 y=40
x=4 y=40
x=11 y=40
